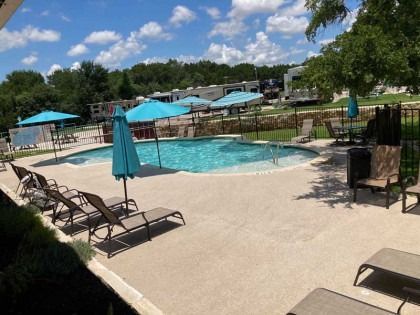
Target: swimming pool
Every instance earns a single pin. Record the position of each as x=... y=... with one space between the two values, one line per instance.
x=213 y=155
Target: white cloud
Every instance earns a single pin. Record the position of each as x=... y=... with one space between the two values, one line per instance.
x=261 y=52
x=30 y=60
x=102 y=37
x=326 y=41
x=220 y=53
x=77 y=50
x=120 y=51
x=264 y=52
x=213 y=12
x=55 y=67
x=243 y=8
x=286 y=25
x=26 y=10
x=65 y=18
x=312 y=54
x=45 y=13
x=15 y=39
x=153 y=30
x=182 y=15
x=351 y=18
x=302 y=41
x=298 y=8
x=75 y=66
x=180 y=58
x=228 y=29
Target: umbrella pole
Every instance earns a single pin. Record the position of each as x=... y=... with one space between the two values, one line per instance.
x=157 y=144
x=169 y=123
x=125 y=194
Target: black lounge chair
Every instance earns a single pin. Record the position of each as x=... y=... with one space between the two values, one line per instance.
x=25 y=178
x=128 y=224
x=65 y=209
x=325 y=302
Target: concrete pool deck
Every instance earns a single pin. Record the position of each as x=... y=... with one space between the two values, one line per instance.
x=253 y=244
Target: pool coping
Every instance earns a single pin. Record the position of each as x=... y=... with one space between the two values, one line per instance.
x=320 y=158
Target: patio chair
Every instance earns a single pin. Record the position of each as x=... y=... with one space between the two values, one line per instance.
x=306 y=131
x=128 y=224
x=334 y=133
x=5 y=154
x=367 y=133
x=384 y=171
x=415 y=190
x=25 y=178
x=42 y=183
x=336 y=124
x=325 y=302
x=67 y=210
x=393 y=262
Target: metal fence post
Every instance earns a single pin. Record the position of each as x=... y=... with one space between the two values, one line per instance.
x=58 y=139
x=296 y=122
x=52 y=139
x=99 y=132
x=256 y=125
x=342 y=115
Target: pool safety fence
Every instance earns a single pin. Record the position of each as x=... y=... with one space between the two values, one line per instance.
x=281 y=126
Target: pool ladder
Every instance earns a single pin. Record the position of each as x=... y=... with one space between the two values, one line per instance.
x=275 y=154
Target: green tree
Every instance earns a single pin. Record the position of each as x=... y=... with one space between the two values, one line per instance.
x=125 y=88
x=396 y=24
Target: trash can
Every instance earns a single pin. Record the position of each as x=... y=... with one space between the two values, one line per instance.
x=358 y=162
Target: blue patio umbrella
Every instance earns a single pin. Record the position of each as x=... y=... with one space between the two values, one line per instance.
x=192 y=101
x=125 y=161
x=151 y=110
x=353 y=108
x=47 y=116
x=235 y=97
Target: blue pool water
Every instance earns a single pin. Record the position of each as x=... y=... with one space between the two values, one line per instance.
x=205 y=155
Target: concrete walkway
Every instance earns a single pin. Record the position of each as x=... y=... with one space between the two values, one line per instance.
x=253 y=244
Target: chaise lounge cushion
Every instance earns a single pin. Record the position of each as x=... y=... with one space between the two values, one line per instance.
x=325 y=302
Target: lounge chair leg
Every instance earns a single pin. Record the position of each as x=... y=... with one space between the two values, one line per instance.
x=149 y=236
x=359 y=272
x=355 y=192
x=109 y=242
x=404 y=201
x=388 y=191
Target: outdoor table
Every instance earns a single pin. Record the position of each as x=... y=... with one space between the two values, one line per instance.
x=351 y=130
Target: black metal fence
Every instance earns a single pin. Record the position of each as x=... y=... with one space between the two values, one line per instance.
x=278 y=126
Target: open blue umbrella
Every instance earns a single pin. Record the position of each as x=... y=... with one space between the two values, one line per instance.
x=152 y=110
x=125 y=161
x=192 y=101
x=235 y=97
x=47 y=116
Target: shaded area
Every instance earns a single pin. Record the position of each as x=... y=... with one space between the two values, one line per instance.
x=40 y=275
x=137 y=237
x=328 y=187
x=390 y=285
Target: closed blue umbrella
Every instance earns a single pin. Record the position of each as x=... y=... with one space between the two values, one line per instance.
x=353 y=108
x=46 y=116
x=152 y=110
x=125 y=161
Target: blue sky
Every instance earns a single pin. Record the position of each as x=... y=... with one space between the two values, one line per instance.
x=48 y=35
